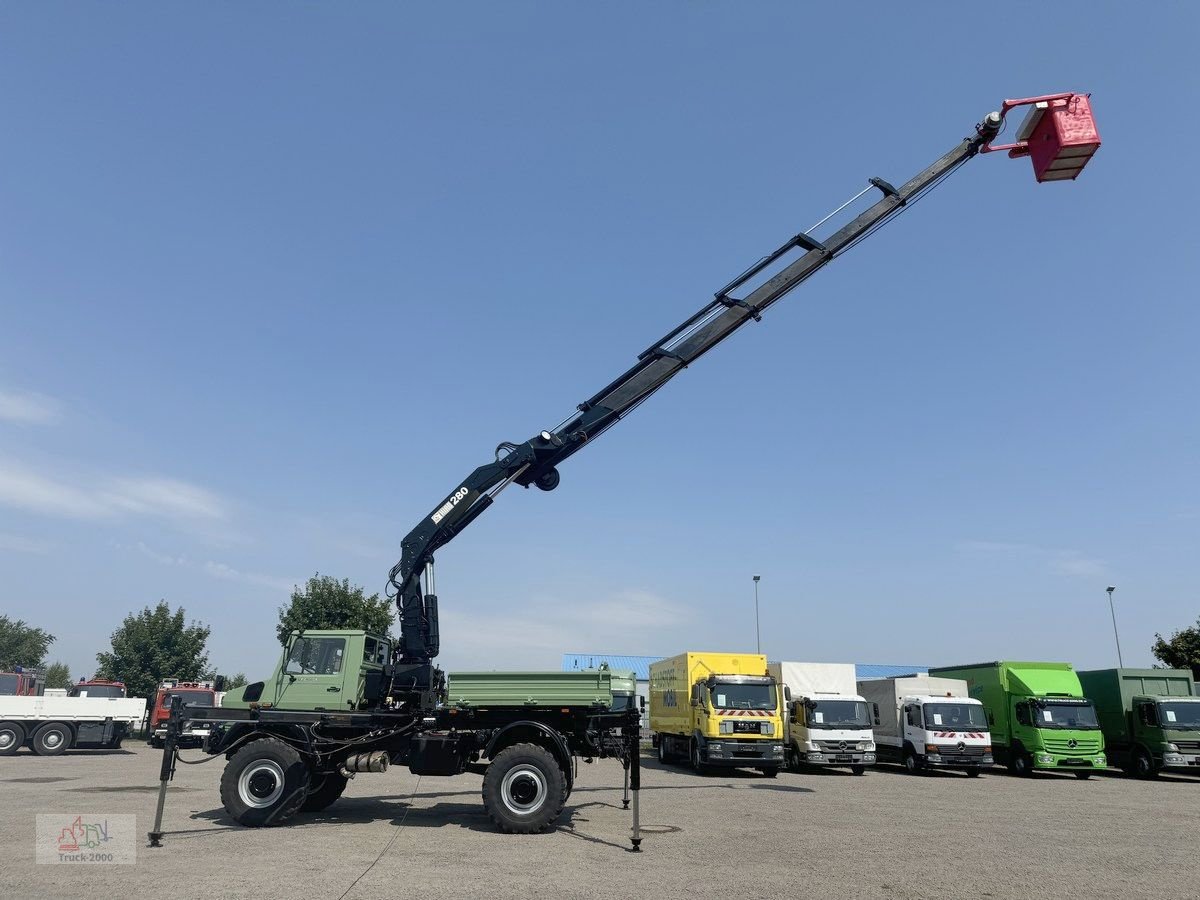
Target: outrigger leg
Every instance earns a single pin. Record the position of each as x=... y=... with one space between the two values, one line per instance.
x=167 y=771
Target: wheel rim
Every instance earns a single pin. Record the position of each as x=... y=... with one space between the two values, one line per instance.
x=8 y=737
x=52 y=740
x=910 y=763
x=261 y=784
x=523 y=790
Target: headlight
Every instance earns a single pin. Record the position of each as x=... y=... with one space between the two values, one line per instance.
x=768 y=728
x=1045 y=758
x=864 y=745
x=726 y=728
x=1174 y=748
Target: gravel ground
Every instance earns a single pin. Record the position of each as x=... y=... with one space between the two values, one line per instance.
x=830 y=835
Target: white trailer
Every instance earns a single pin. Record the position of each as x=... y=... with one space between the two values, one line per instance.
x=53 y=724
x=826 y=722
x=926 y=722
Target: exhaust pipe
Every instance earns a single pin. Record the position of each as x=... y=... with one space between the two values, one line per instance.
x=376 y=761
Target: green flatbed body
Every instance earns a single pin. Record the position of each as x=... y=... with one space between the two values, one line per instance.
x=602 y=688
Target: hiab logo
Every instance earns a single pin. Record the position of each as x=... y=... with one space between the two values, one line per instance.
x=86 y=838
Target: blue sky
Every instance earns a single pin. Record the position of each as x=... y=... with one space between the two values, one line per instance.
x=272 y=281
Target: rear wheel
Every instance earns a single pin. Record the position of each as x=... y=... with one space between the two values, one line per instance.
x=325 y=793
x=12 y=736
x=662 y=749
x=524 y=789
x=264 y=783
x=51 y=739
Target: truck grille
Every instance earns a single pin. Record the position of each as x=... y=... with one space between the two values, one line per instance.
x=1087 y=746
x=837 y=746
x=1187 y=746
x=953 y=753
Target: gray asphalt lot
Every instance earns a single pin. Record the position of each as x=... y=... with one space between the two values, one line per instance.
x=828 y=835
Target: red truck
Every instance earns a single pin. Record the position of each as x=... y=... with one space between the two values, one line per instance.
x=21 y=682
x=192 y=693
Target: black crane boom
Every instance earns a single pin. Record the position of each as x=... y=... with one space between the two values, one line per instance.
x=536 y=460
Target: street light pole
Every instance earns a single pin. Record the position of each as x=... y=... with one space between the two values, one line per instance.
x=1116 y=636
x=757 y=639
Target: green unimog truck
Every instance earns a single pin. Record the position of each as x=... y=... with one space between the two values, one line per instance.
x=1150 y=718
x=330 y=711
x=1039 y=716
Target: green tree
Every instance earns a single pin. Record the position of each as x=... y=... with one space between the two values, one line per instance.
x=22 y=645
x=325 y=602
x=58 y=676
x=152 y=645
x=236 y=681
x=1181 y=650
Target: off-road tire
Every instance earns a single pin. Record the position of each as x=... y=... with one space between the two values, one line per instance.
x=52 y=739
x=12 y=738
x=329 y=788
x=524 y=789
x=264 y=783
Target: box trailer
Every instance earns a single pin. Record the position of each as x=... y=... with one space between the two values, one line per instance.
x=826 y=722
x=50 y=725
x=926 y=722
x=716 y=710
x=1039 y=716
x=1150 y=718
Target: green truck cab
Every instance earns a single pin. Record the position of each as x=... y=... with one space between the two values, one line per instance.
x=1039 y=716
x=1150 y=718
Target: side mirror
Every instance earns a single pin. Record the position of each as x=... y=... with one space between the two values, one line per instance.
x=219 y=683
x=787 y=693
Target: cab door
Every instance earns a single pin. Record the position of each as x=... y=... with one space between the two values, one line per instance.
x=314 y=675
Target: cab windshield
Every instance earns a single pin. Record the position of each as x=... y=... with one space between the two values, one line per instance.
x=955 y=717
x=1179 y=715
x=97 y=690
x=743 y=696
x=190 y=698
x=8 y=685
x=838 y=714
x=1060 y=714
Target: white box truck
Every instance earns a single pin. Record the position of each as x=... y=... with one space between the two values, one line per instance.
x=926 y=722
x=53 y=724
x=826 y=722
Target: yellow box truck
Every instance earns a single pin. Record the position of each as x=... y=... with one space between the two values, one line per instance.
x=716 y=710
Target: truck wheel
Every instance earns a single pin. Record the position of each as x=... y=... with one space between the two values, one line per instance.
x=1083 y=776
x=662 y=750
x=265 y=782
x=769 y=771
x=912 y=765
x=1021 y=764
x=698 y=765
x=326 y=793
x=12 y=736
x=859 y=770
x=51 y=739
x=1143 y=765
x=524 y=789
x=972 y=773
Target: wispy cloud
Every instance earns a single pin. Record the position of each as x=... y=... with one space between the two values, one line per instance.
x=1066 y=563
x=16 y=543
x=215 y=569
x=28 y=408
x=108 y=497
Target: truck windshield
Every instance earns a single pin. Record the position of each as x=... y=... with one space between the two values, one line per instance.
x=955 y=717
x=839 y=714
x=316 y=656
x=8 y=685
x=97 y=690
x=190 y=698
x=743 y=696
x=1180 y=715
x=1064 y=714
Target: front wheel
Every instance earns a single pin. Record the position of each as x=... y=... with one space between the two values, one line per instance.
x=1022 y=764
x=698 y=765
x=1143 y=765
x=912 y=765
x=972 y=773
x=264 y=783
x=770 y=771
x=859 y=770
x=51 y=739
x=524 y=789
x=1083 y=776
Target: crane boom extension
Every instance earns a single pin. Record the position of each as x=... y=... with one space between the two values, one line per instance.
x=535 y=461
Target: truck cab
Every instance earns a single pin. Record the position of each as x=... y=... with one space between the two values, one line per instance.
x=827 y=722
x=193 y=694
x=323 y=669
x=1167 y=731
x=21 y=682
x=945 y=732
x=97 y=687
